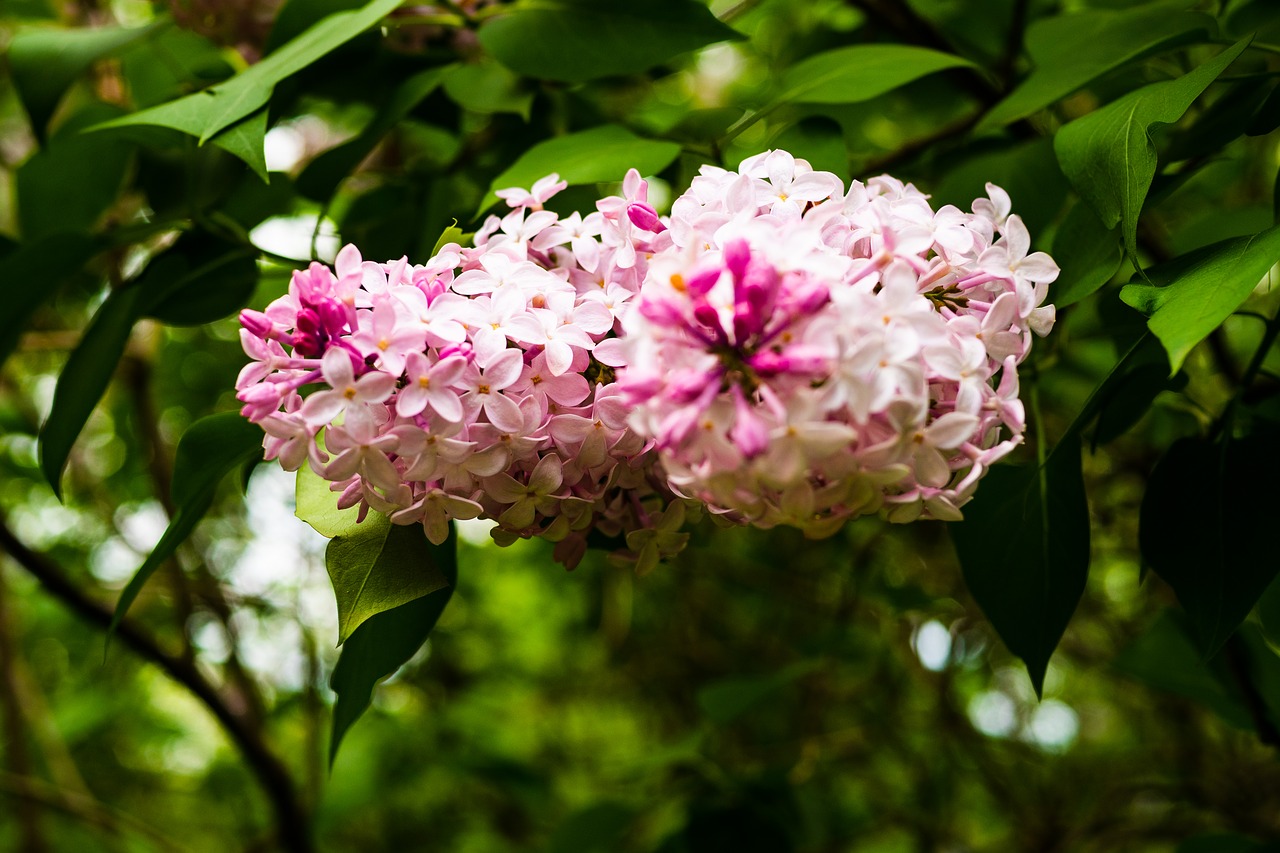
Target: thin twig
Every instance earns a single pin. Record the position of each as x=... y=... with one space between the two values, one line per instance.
x=292 y=824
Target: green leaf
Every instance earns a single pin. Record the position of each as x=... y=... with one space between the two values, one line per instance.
x=1027 y=171
x=1024 y=542
x=850 y=75
x=70 y=183
x=246 y=139
x=379 y=566
x=598 y=828
x=318 y=506
x=211 y=448
x=322 y=175
x=487 y=87
x=204 y=113
x=1024 y=550
x=1071 y=51
x=1190 y=296
x=1108 y=154
x=1269 y=611
x=45 y=61
x=1215 y=549
x=592 y=156
x=50 y=261
x=578 y=40
x=452 y=234
x=386 y=642
x=84 y=379
x=1088 y=254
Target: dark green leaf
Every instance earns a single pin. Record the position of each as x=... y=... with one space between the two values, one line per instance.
x=379 y=566
x=1269 y=611
x=1088 y=253
x=577 y=40
x=487 y=87
x=246 y=139
x=70 y=183
x=45 y=61
x=1108 y=154
x=1070 y=51
x=1215 y=549
x=820 y=141
x=1024 y=550
x=204 y=113
x=1190 y=296
x=1225 y=842
x=323 y=174
x=1166 y=658
x=1027 y=171
x=84 y=379
x=209 y=449
x=199 y=280
x=592 y=156
x=385 y=643
x=34 y=271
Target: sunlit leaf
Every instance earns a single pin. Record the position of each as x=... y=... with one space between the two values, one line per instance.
x=246 y=139
x=591 y=156
x=1108 y=154
x=1190 y=296
x=384 y=643
x=204 y=113
x=577 y=40
x=379 y=566
x=211 y=448
x=1070 y=51
x=849 y=75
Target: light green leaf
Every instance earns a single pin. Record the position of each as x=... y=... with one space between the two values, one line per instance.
x=1071 y=51
x=1088 y=254
x=452 y=234
x=487 y=87
x=850 y=75
x=578 y=40
x=322 y=175
x=246 y=139
x=204 y=113
x=318 y=506
x=1108 y=154
x=379 y=566
x=211 y=448
x=1191 y=296
x=385 y=642
x=45 y=61
x=592 y=156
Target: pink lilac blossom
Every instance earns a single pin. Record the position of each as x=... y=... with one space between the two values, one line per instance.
x=785 y=352
x=465 y=387
x=801 y=354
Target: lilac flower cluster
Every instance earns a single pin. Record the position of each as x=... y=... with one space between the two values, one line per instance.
x=777 y=349
x=475 y=385
x=802 y=355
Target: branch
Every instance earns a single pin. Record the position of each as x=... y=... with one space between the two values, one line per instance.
x=292 y=824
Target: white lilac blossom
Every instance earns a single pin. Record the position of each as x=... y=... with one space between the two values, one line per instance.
x=802 y=355
x=777 y=349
